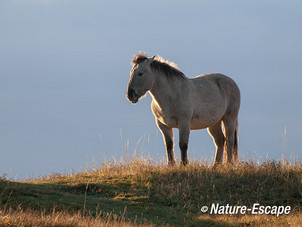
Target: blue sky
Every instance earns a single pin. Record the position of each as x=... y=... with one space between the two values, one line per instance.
x=64 y=69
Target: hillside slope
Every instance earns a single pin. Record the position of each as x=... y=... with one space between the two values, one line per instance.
x=143 y=193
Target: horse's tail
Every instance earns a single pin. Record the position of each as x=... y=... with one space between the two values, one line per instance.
x=236 y=139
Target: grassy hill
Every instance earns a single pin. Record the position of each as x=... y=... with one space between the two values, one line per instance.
x=143 y=193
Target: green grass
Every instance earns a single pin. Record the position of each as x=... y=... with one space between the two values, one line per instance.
x=143 y=193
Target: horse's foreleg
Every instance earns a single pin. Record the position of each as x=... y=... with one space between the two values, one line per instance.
x=184 y=132
x=168 y=138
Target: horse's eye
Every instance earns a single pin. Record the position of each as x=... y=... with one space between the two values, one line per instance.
x=140 y=73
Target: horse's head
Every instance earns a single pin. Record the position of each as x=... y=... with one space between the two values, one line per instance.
x=141 y=78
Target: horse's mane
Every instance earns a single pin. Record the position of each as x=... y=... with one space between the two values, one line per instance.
x=160 y=65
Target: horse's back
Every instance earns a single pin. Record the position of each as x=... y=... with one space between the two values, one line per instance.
x=213 y=78
x=213 y=82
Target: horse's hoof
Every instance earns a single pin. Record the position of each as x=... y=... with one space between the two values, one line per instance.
x=171 y=163
x=216 y=164
x=184 y=163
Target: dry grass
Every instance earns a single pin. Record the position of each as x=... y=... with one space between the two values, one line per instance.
x=254 y=220
x=57 y=218
x=140 y=192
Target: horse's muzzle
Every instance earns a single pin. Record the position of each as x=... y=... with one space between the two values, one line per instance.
x=132 y=96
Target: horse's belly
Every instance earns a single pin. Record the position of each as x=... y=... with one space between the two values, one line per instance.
x=202 y=120
x=196 y=125
x=202 y=124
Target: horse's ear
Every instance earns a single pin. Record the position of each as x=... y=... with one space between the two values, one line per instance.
x=150 y=60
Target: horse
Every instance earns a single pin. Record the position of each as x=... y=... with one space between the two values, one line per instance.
x=207 y=101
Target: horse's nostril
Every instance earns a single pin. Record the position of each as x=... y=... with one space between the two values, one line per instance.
x=131 y=93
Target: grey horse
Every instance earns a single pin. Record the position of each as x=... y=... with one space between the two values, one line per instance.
x=205 y=101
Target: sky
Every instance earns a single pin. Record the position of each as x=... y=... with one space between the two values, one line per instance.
x=64 y=70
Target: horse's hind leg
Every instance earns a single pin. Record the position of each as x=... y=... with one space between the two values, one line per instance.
x=168 y=138
x=230 y=128
x=219 y=140
x=235 y=149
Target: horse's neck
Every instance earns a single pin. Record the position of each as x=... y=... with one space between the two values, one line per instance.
x=163 y=91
